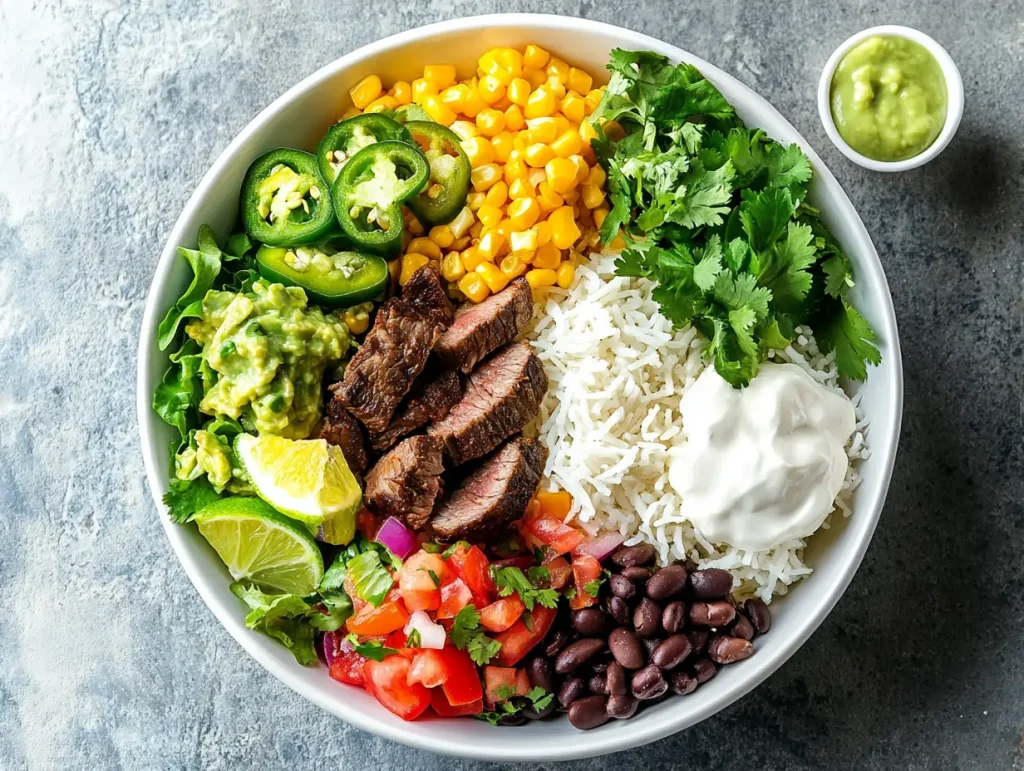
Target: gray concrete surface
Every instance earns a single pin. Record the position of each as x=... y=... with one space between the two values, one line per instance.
x=111 y=110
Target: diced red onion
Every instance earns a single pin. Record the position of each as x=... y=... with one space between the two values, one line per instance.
x=431 y=635
x=397 y=537
x=320 y=534
x=331 y=642
x=602 y=546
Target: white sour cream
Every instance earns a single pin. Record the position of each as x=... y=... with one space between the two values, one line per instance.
x=763 y=464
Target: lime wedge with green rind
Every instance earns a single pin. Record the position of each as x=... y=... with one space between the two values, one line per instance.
x=261 y=545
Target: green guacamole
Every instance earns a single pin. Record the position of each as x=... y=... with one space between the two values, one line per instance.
x=889 y=98
x=269 y=352
x=207 y=454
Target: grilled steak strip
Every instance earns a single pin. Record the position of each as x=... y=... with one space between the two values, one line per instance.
x=406 y=481
x=494 y=495
x=395 y=350
x=341 y=429
x=502 y=395
x=431 y=402
x=480 y=329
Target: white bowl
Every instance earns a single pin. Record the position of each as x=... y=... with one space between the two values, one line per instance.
x=954 y=99
x=298 y=119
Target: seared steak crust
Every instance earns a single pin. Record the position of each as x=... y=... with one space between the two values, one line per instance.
x=406 y=481
x=339 y=428
x=480 y=329
x=430 y=402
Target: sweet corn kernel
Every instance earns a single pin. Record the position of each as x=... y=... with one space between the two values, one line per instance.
x=567 y=143
x=461 y=224
x=464 y=129
x=557 y=68
x=592 y=100
x=518 y=91
x=490 y=122
x=618 y=243
x=582 y=169
x=599 y=214
x=562 y=125
x=473 y=286
x=564 y=230
x=572 y=197
x=441 y=75
x=541 y=103
x=441 y=235
x=502 y=144
x=489 y=215
x=538 y=278
x=543 y=231
x=459 y=244
x=534 y=76
x=421 y=89
x=548 y=256
x=597 y=176
x=524 y=213
x=488 y=59
x=402 y=91
x=411 y=262
x=556 y=88
x=592 y=196
x=519 y=143
x=537 y=176
x=412 y=224
x=514 y=120
x=500 y=74
x=365 y=91
x=382 y=103
x=515 y=168
x=451 y=267
x=521 y=241
x=521 y=188
x=483 y=177
x=351 y=112
x=438 y=112
x=535 y=56
x=574 y=108
x=490 y=244
x=490 y=89
x=475 y=200
x=587 y=132
x=537 y=155
x=479 y=151
x=547 y=197
x=612 y=130
x=579 y=81
x=561 y=173
x=497 y=195
x=511 y=60
x=425 y=246
x=492 y=276
x=475 y=230
x=504 y=228
x=565 y=273
x=357 y=318
x=512 y=266
x=455 y=97
x=473 y=104
x=542 y=130
x=471 y=257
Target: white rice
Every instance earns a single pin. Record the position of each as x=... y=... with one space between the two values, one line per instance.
x=617 y=370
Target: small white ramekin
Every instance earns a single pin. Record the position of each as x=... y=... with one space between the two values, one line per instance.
x=954 y=99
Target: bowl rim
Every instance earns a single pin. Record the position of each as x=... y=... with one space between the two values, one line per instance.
x=954 y=98
x=599 y=743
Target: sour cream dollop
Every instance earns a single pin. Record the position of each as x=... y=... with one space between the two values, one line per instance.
x=763 y=464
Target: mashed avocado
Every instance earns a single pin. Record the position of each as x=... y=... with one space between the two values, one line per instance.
x=269 y=352
x=207 y=454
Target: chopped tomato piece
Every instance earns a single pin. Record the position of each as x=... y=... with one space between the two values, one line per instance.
x=499 y=680
x=555 y=504
x=388 y=681
x=522 y=682
x=472 y=567
x=454 y=597
x=559 y=572
x=462 y=684
x=396 y=640
x=584 y=569
x=428 y=668
x=381 y=620
x=441 y=706
x=552 y=531
x=500 y=615
x=367 y=523
x=419 y=581
x=518 y=639
x=348 y=668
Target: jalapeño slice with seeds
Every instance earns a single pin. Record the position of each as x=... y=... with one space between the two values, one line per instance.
x=445 y=194
x=369 y=193
x=331 y=279
x=346 y=138
x=284 y=199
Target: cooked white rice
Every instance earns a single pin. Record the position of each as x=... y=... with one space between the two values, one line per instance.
x=617 y=370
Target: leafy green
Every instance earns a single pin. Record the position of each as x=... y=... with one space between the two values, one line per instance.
x=714 y=213
x=285 y=617
x=206 y=263
x=371 y=579
x=371 y=649
x=537 y=697
x=511 y=580
x=466 y=635
x=187 y=496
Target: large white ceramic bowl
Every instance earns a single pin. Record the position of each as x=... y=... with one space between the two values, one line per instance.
x=298 y=119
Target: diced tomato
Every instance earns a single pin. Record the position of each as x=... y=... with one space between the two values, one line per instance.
x=348 y=668
x=396 y=640
x=388 y=681
x=552 y=531
x=419 y=589
x=555 y=504
x=522 y=682
x=462 y=684
x=518 y=639
x=428 y=668
x=560 y=572
x=584 y=570
x=367 y=523
x=441 y=706
x=500 y=615
x=472 y=567
x=454 y=597
x=389 y=616
x=500 y=679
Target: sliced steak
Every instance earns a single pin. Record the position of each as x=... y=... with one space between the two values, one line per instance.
x=395 y=350
x=406 y=481
x=502 y=395
x=430 y=402
x=495 y=494
x=340 y=428
x=479 y=330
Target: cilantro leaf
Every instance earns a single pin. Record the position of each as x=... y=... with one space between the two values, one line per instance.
x=511 y=580
x=187 y=496
x=504 y=692
x=845 y=331
x=465 y=635
x=413 y=640
x=371 y=649
x=454 y=548
x=371 y=579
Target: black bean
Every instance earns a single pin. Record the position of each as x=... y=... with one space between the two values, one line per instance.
x=648 y=683
x=555 y=642
x=598 y=667
x=572 y=689
x=618 y=609
x=711 y=584
x=532 y=713
x=671 y=652
x=727 y=650
x=621 y=587
x=622 y=706
x=742 y=627
x=650 y=644
x=647 y=618
x=682 y=683
x=673 y=618
x=630 y=556
x=590 y=622
x=616 y=679
x=667 y=582
x=690 y=565
x=539 y=670
x=578 y=653
x=517 y=718
x=713 y=614
x=637 y=574
x=704 y=670
x=758 y=614
x=626 y=648
x=598 y=684
x=589 y=712
x=698 y=639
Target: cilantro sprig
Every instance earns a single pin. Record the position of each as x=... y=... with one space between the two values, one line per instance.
x=466 y=635
x=512 y=580
x=715 y=213
x=536 y=697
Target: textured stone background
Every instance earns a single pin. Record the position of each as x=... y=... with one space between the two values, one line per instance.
x=111 y=110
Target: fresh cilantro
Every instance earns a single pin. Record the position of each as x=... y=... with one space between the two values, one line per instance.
x=413 y=640
x=187 y=496
x=466 y=635
x=538 y=574
x=508 y=705
x=454 y=548
x=431 y=548
x=505 y=692
x=593 y=587
x=433 y=577
x=539 y=698
x=511 y=580
x=570 y=592
x=371 y=649
x=371 y=579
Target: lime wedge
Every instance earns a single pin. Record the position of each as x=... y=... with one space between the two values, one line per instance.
x=306 y=479
x=261 y=545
